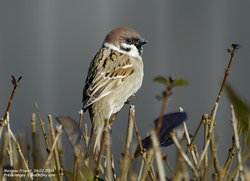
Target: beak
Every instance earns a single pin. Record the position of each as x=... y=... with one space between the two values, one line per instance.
x=141 y=41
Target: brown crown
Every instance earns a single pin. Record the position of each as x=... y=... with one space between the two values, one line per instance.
x=120 y=35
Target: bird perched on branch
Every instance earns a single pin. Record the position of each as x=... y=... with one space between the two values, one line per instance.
x=115 y=74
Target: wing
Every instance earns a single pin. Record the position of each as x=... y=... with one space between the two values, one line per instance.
x=106 y=73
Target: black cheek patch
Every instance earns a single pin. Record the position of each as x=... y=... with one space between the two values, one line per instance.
x=125 y=49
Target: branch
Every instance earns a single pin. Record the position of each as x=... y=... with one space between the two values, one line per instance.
x=237 y=143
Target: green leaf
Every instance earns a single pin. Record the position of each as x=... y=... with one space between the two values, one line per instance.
x=242 y=111
x=241 y=108
x=162 y=80
x=180 y=82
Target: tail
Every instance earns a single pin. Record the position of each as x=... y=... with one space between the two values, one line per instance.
x=94 y=141
x=94 y=144
x=99 y=112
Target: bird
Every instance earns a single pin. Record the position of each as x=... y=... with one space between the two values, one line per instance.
x=114 y=75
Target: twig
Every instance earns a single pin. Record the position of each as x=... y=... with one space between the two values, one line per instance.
x=141 y=168
x=75 y=168
x=182 y=152
x=206 y=128
x=209 y=135
x=150 y=154
x=152 y=173
x=142 y=150
x=42 y=127
x=226 y=75
x=237 y=143
x=191 y=147
x=227 y=72
x=147 y=165
x=231 y=153
x=38 y=154
x=60 y=149
x=210 y=138
x=197 y=129
x=158 y=156
x=126 y=160
x=10 y=143
x=138 y=137
x=34 y=149
x=3 y=152
x=165 y=158
x=80 y=118
x=53 y=147
x=15 y=85
x=181 y=173
x=108 y=154
x=56 y=155
x=30 y=174
x=113 y=166
x=130 y=129
x=214 y=155
x=164 y=106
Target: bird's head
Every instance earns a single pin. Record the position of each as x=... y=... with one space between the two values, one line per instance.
x=125 y=40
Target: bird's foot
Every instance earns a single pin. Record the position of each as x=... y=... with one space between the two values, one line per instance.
x=132 y=97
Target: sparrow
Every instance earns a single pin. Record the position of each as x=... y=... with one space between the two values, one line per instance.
x=115 y=74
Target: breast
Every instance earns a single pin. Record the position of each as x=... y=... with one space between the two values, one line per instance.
x=129 y=87
x=138 y=74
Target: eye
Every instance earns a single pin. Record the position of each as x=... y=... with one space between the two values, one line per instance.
x=129 y=41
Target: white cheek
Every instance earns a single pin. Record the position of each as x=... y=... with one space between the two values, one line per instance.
x=133 y=50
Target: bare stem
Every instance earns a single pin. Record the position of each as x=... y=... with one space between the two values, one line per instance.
x=197 y=130
x=213 y=146
x=42 y=127
x=126 y=160
x=163 y=108
x=138 y=137
x=80 y=118
x=158 y=156
x=237 y=143
x=191 y=147
x=3 y=152
x=108 y=156
x=183 y=154
x=10 y=143
x=30 y=174
x=147 y=164
x=15 y=85
x=55 y=150
x=206 y=127
x=34 y=148
x=150 y=154
x=231 y=153
x=75 y=168
x=53 y=147
x=130 y=129
x=227 y=72
x=210 y=132
x=113 y=166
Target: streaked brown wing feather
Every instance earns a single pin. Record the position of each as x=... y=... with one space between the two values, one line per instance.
x=113 y=68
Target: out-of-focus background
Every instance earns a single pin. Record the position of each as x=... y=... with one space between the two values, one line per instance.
x=51 y=42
